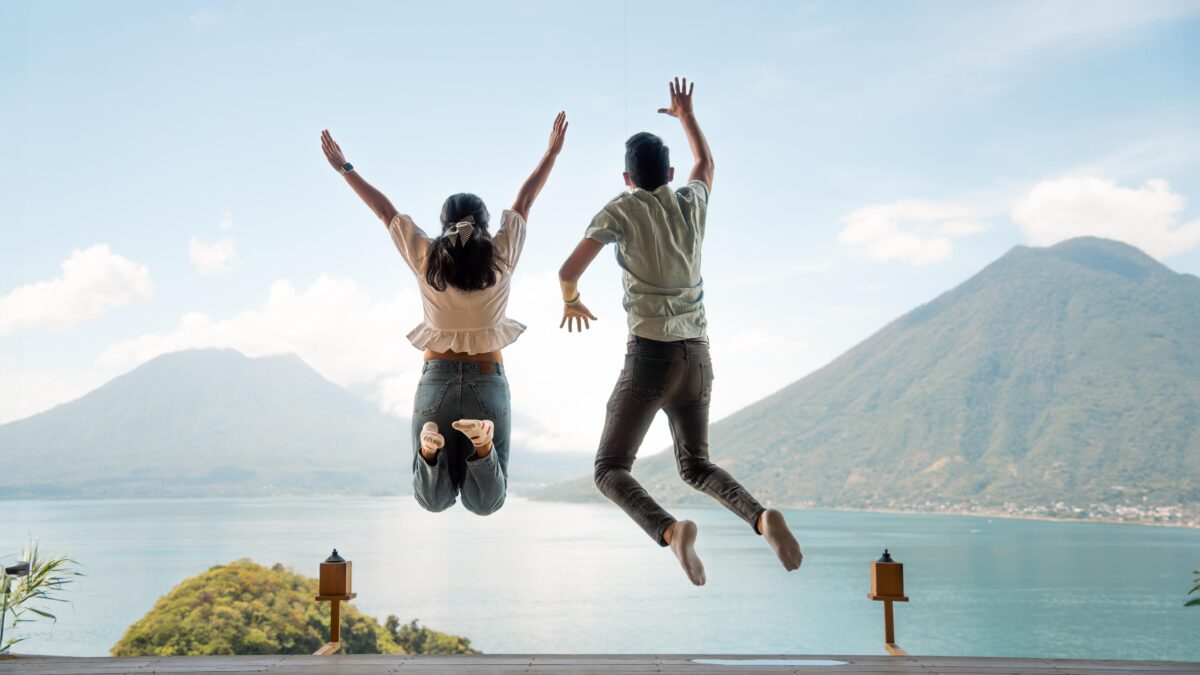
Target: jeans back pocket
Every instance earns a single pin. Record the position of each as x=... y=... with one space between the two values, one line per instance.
x=429 y=397
x=493 y=397
x=650 y=376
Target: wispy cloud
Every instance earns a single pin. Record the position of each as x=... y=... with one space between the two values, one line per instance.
x=215 y=258
x=913 y=231
x=93 y=281
x=204 y=17
x=1001 y=34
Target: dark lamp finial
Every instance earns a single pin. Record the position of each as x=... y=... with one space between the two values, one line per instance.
x=335 y=558
x=21 y=569
x=885 y=558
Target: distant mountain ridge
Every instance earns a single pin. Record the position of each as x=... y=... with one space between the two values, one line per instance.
x=1061 y=374
x=215 y=423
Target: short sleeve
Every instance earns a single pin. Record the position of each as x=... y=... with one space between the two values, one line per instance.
x=410 y=240
x=605 y=228
x=693 y=201
x=510 y=240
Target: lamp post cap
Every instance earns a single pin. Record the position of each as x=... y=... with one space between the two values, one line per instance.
x=19 y=570
x=886 y=557
x=335 y=558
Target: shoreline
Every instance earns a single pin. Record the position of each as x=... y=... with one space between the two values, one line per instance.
x=1190 y=521
x=986 y=513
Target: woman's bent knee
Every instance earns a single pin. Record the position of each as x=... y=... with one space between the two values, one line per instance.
x=483 y=509
x=434 y=505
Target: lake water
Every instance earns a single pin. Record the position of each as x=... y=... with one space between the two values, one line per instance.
x=541 y=577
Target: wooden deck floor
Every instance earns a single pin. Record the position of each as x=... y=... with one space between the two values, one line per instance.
x=570 y=664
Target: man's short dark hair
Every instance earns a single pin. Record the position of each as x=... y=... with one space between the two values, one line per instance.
x=647 y=160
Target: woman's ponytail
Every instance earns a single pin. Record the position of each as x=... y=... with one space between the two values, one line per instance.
x=463 y=256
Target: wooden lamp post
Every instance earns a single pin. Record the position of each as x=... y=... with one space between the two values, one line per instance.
x=887 y=584
x=334 y=587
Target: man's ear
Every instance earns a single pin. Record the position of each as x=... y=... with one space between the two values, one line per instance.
x=628 y=180
x=670 y=173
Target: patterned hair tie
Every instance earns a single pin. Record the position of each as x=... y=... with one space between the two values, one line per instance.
x=459 y=233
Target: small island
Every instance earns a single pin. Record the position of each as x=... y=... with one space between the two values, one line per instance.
x=246 y=608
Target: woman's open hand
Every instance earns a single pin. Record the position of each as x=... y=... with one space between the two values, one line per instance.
x=558 y=134
x=333 y=153
x=576 y=317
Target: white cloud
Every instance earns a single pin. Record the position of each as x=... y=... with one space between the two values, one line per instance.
x=559 y=380
x=913 y=231
x=93 y=281
x=1146 y=216
x=215 y=258
x=334 y=325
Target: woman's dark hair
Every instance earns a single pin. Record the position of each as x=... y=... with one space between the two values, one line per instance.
x=472 y=266
x=647 y=160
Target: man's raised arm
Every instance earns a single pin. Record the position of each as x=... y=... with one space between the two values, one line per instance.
x=681 y=108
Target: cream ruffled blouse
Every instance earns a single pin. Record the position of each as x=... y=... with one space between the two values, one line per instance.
x=468 y=322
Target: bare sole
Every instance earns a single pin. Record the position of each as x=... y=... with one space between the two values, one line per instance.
x=781 y=539
x=683 y=545
x=431 y=442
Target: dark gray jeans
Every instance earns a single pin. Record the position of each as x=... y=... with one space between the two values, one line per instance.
x=675 y=377
x=449 y=391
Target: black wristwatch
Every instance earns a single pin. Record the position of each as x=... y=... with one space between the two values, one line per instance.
x=347 y=168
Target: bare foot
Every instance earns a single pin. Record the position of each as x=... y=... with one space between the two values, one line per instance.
x=431 y=442
x=775 y=531
x=682 y=541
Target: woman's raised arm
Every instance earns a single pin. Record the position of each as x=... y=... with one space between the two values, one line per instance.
x=533 y=185
x=365 y=191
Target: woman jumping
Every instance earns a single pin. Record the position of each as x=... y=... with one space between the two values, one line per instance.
x=464 y=275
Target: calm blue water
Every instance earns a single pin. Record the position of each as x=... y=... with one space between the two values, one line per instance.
x=581 y=578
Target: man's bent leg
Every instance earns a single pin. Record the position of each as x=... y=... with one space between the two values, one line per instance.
x=625 y=426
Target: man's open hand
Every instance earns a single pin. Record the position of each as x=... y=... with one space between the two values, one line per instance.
x=681 y=98
x=576 y=317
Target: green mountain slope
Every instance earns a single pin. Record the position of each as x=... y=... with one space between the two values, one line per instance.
x=207 y=422
x=216 y=423
x=1069 y=373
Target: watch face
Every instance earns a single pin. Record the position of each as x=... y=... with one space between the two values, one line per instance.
x=347 y=167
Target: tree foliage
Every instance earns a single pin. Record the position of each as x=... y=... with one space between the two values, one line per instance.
x=417 y=639
x=246 y=608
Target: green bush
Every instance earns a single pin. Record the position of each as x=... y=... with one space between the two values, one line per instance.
x=246 y=608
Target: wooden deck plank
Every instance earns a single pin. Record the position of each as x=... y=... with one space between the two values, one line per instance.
x=356 y=664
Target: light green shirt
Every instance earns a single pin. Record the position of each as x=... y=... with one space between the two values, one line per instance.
x=658 y=235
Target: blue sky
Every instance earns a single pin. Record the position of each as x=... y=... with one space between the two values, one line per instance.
x=869 y=157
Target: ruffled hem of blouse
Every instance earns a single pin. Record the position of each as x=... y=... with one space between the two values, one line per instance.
x=470 y=341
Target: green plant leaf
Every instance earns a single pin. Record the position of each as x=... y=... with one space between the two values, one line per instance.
x=42 y=613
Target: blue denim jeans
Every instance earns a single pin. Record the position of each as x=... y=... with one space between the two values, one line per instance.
x=450 y=391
